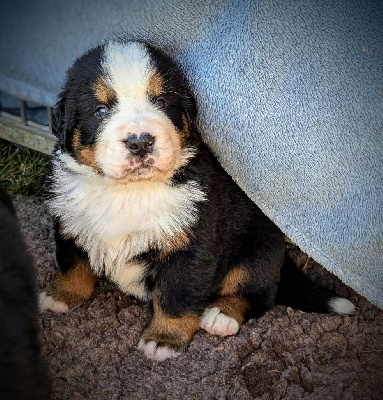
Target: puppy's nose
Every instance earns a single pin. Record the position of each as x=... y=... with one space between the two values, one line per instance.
x=141 y=144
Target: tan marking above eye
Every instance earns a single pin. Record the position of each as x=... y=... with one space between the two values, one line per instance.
x=156 y=85
x=103 y=93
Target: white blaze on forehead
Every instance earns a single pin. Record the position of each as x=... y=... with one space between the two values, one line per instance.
x=128 y=68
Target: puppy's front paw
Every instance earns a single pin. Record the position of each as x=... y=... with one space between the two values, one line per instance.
x=47 y=302
x=167 y=336
x=160 y=344
x=217 y=323
x=156 y=351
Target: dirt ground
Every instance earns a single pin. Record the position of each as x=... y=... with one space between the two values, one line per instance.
x=91 y=352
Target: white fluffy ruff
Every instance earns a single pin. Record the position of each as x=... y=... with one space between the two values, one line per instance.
x=115 y=221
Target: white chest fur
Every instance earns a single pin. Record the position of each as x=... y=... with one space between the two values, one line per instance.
x=115 y=221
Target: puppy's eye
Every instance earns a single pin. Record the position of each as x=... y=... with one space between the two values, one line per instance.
x=160 y=102
x=101 y=111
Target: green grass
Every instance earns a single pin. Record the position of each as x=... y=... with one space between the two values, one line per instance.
x=21 y=171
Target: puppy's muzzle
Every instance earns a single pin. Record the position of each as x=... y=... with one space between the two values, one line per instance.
x=140 y=145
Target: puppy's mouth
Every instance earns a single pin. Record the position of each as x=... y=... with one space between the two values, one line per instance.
x=138 y=166
x=144 y=169
x=136 y=163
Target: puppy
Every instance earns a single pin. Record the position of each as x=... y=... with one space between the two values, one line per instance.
x=23 y=373
x=138 y=198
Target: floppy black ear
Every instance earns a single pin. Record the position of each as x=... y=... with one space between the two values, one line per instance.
x=64 y=119
x=59 y=121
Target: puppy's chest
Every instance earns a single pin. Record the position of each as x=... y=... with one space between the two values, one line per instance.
x=116 y=222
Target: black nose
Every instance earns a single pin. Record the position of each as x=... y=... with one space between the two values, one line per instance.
x=140 y=145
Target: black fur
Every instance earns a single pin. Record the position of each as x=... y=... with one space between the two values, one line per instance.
x=230 y=231
x=23 y=373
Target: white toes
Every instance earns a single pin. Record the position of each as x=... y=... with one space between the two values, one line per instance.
x=217 y=323
x=155 y=352
x=48 y=303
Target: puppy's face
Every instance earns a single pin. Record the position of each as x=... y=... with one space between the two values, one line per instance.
x=127 y=112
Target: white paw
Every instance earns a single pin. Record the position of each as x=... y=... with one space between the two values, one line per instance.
x=155 y=352
x=217 y=323
x=340 y=305
x=48 y=303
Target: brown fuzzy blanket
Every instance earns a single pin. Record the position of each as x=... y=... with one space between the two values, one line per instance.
x=91 y=352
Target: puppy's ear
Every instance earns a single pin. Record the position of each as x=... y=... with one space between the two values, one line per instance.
x=59 y=120
x=63 y=119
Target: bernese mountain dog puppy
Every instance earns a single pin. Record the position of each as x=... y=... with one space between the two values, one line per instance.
x=23 y=372
x=138 y=198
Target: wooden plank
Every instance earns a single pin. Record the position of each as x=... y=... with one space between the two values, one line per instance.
x=34 y=136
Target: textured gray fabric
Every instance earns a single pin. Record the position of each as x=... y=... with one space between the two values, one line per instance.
x=290 y=98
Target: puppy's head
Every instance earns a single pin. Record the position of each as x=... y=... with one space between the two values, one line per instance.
x=127 y=112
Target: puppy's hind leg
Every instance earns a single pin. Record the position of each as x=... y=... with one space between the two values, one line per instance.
x=75 y=281
x=225 y=315
x=240 y=298
x=249 y=287
x=69 y=290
